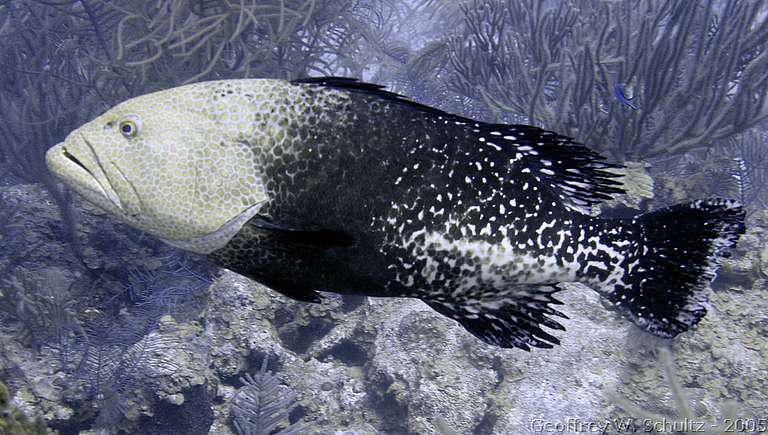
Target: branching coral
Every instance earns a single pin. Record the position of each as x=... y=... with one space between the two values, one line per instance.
x=736 y=168
x=167 y=290
x=698 y=71
x=45 y=80
x=113 y=371
x=261 y=407
x=43 y=306
x=105 y=346
x=749 y=154
x=180 y=42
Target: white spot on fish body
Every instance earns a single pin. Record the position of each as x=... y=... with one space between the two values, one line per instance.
x=486 y=230
x=597 y=264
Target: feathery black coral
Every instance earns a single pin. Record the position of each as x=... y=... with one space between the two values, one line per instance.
x=260 y=406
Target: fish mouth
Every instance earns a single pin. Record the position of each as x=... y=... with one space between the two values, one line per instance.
x=104 y=183
x=80 y=156
x=74 y=159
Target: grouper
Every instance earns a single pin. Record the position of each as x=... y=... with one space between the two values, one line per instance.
x=334 y=185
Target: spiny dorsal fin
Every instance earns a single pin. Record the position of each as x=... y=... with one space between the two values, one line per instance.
x=354 y=85
x=578 y=175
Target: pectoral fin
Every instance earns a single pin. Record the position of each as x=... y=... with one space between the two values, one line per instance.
x=290 y=261
x=304 y=240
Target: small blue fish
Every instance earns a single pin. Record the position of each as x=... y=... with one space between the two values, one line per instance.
x=619 y=93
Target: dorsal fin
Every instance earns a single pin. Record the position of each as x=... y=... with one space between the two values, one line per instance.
x=354 y=85
x=576 y=174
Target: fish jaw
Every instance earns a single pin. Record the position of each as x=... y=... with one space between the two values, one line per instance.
x=75 y=162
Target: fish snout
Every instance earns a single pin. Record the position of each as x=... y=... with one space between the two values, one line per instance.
x=52 y=157
x=76 y=163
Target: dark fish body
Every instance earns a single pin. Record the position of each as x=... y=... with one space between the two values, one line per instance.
x=330 y=184
x=385 y=197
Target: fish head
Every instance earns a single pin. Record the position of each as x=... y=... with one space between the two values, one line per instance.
x=175 y=163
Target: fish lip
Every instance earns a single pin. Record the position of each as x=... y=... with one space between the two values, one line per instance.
x=97 y=184
x=74 y=159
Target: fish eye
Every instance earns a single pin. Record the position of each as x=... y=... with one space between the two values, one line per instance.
x=129 y=127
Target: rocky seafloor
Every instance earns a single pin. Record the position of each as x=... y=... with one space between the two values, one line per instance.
x=352 y=365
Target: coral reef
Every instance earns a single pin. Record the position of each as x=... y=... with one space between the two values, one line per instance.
x=356 y=365
x=104 y=329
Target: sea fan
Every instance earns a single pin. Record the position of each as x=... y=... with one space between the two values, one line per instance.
x=97 y=17
x=262 y=404
x=750 y=167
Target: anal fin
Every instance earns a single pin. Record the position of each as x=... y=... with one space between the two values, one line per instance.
x=512 y=317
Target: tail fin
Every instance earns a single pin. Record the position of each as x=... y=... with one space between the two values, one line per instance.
x=678 y=252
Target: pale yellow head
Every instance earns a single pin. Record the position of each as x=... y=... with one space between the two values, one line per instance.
x=179 y=163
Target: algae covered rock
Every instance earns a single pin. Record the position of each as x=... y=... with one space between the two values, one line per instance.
x=248 y=324
x=13 y=421
x=410 y=370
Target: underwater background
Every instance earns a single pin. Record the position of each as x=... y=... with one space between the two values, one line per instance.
x=104 y=329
